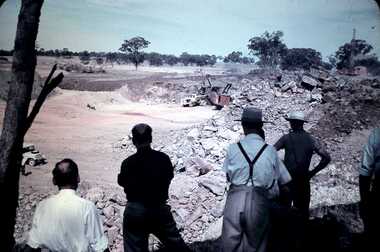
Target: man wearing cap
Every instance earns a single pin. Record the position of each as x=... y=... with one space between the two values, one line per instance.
x=146 y=176
x=299 y=148
x=255 y=173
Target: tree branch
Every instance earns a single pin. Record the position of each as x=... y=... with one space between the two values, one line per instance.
x=48 y=87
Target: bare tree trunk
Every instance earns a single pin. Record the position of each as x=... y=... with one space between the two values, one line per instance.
x=12 y=135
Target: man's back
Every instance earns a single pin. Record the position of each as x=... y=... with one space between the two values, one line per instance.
x=66 y=222
x=146 y=177
x=267 y=169
x=299 y=147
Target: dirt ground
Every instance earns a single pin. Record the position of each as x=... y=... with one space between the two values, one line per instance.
x=90 y=117
x=67 y=128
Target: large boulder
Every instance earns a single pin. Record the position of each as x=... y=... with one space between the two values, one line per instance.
x=309 y=82
x=197 y=166
x=214 y=181
x=182 y=186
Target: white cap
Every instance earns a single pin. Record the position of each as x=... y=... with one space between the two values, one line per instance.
x=296 y=115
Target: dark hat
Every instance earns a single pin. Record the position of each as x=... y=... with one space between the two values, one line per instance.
x=252 y=115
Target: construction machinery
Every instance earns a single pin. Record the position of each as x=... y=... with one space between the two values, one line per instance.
x=191 y=100
x=213 y=94
x=31 y=156
x=216 y=95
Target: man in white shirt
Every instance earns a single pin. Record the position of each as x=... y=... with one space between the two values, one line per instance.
x=66 y=222
x=255 y=172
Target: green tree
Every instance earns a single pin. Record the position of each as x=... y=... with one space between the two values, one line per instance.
x=371 y=62
x=111 y=57
x=233 y=57
x=133 y=47
x=155 y=59
x=247 y=60
x=185 y=58
x=269 y=48
x=347 y=53
x=332 y=60
x=198 y=60
x=301 y=58
x=84 y=57
x=206 y=60
x=66 y=53
x=171 y=60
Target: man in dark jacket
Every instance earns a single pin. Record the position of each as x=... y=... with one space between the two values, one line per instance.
x=299 y=148
x=146 y=176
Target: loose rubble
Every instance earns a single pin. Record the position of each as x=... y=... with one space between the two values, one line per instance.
x=335 y=106
x=80 y=68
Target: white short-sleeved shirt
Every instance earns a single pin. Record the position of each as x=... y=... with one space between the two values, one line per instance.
x=268 y=167
x=66 y=222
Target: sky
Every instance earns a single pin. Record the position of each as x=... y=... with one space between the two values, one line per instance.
x=197 y=26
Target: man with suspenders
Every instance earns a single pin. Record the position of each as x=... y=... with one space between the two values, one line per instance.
x=255 y=173
x=369 y=182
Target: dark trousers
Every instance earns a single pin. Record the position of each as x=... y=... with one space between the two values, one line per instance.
x=294 y=229
x=140 y=221
x=299 y=196
x=372 y=223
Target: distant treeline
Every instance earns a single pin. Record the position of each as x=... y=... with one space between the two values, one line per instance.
x=153 y=58
x=268 y=49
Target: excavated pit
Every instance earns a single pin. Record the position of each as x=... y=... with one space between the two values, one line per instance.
x=197 y=192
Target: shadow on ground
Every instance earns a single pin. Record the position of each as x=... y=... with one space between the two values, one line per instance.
x=332 y=232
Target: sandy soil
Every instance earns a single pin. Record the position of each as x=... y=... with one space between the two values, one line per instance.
x=67 y=128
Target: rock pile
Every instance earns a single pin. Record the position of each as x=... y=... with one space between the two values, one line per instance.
x=197 y=193
x=350 y=106
x=155 y=92
x=80 y=68
x=353 y=103
x=335 y=106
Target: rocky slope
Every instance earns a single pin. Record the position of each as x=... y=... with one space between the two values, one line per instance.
x=340 y=110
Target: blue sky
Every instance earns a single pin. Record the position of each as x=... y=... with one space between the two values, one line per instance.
x=197 y=26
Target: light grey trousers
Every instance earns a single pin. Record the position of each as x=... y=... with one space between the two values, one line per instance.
x=246 y=221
